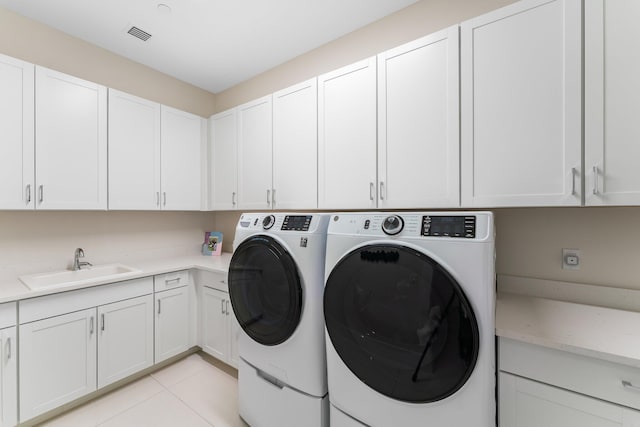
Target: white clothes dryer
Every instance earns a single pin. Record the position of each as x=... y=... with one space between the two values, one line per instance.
x=409 y=313
x=276 y=283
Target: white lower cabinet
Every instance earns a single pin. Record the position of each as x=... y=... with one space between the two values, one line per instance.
x=175 y=314
x=220 y=328
x=8 y=377
x=57 y=361
x=74 y=342
x=543 y=387
x=8 y=366
x=125 y=338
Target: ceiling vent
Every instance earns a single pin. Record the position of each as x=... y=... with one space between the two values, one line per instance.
x=138 y=33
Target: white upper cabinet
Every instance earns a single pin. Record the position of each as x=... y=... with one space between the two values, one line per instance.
x=521 y=105
x=71 y=142
x=181 y=152
x=295 y=147
x=134 y=152
x=612 y=102
x=16 y=134
x=223 y=161
x=418 y=123
x=255 y=154
x=347 y=137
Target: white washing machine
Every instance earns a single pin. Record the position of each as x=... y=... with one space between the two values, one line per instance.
x=276 y=283
x=409 y=313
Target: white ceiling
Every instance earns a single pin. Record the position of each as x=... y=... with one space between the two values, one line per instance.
x=212 y=44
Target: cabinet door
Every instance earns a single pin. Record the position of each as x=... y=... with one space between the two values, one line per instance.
x=8 y=378
x=16 y=134
x=134 y=152
x=223 y=161
x=215 y=332
x=347 y=137
x=71 y=142
x=295 y=147
x=172 y=323
x=57 y=361
x=418 y=123
x=521 y=105
x=181 y=145
x=255 y=154
x=526 y=403
x=125 y=338
x=612 y=102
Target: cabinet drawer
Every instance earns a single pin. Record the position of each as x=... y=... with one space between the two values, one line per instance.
x=162 y=282
x=65 y=302
x=582 y=374
x=216 y=280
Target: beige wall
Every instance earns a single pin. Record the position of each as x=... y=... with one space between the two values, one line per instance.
x=417 y=20
x=45 y=241
x=31 y=41
x=529 y=241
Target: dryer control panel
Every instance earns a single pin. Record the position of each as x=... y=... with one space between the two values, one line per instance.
x=438 y=225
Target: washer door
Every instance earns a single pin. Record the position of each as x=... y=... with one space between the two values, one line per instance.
x=401 y=323
x=265 y=290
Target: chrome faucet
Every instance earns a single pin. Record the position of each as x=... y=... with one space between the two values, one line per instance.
x=77 y=264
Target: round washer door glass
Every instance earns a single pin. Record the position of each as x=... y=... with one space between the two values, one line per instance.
x=265 y=290
x=401 y=323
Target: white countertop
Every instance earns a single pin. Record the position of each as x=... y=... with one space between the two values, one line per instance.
x=605 y=333
x=14 y=290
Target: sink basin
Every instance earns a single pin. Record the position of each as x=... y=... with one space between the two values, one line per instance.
x=80 y=277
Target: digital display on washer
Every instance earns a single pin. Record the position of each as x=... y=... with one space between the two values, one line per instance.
x=449 y=226
x=296 y=222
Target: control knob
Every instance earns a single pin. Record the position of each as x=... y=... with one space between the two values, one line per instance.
x=268 y=222
x=392 y=225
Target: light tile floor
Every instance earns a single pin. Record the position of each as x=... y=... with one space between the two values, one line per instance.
x=189 y=393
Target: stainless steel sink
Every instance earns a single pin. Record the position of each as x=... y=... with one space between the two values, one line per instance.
x=85 y=276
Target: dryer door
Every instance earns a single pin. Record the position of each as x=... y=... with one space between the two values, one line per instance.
x=265 y=290
x=401 y=323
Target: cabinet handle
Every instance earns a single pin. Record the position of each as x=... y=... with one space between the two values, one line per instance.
x=595 y=180
x=159 y=305
x=41 y=197
x=157 y=198
x=91 y=326
x=164 y=198
x=28 y=197
x=9 y=348
x=102 y=319
x=169 y=281
x=222 y=306
x=629 y=386
x=381 y=190
x=268 y=197
x=371 y=192
x=233 y=198
x=273 y=197
x=227 y=307
x=573 y=181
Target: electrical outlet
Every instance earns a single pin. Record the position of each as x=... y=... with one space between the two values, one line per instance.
x=571 y=259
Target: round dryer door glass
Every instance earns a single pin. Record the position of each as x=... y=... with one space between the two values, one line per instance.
x=265 y=290
x=401 y=323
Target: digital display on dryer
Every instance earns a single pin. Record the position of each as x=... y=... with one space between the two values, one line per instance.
x=449 y=226
x=296 y=223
